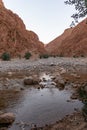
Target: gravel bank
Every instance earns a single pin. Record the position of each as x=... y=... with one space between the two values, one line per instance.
x=78 y=64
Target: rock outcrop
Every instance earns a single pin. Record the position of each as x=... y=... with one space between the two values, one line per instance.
x=31 y=80
x=14 y=38
x=73 y=42
x=7 y=118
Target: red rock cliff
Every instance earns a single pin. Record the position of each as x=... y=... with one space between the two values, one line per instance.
x=73 y=42
x=14 y=38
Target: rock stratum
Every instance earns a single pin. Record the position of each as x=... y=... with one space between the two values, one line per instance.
x=73 y=42
x=14 y=38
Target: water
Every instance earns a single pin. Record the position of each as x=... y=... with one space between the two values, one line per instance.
x=44 y=106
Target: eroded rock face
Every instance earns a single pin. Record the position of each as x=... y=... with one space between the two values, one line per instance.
x=14 y=38
x=71 y=43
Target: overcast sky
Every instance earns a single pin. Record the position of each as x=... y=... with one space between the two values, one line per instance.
x=47 y=18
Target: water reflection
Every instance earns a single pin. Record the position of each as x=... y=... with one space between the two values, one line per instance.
x=42 y=107
x=33 y=106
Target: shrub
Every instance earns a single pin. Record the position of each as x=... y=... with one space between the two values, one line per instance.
x=75 y=56
x=82 y=55
x=44 y=56
x=5 y=56
x=27 y=55
x=82 y=93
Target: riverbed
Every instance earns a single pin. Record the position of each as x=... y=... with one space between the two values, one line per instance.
x=40 y=106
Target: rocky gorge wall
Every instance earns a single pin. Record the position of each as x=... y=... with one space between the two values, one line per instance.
x=14 y=38
x=72 y=43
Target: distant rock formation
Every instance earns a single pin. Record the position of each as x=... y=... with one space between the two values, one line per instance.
x=73 y=42
x=14 y=38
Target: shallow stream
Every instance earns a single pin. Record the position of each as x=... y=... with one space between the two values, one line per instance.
x=38 y=106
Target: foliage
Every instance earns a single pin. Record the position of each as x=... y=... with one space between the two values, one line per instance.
x=80 y=6
x=72 y=24
x=6 y=56
x=27 y=55
x=82 y=55
x=44 y=56
x=75 y=56
x=82 y=93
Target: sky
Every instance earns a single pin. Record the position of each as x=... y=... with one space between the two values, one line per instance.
x=47 y=18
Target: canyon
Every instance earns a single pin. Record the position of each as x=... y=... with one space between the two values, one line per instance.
x=17 y=40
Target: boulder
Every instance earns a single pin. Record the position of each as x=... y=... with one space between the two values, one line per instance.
x=7 y=118
x=28 y=81
x=31 y=81
x=60 y=83
x=74 y=96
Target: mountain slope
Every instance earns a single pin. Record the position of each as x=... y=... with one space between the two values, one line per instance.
x=14 y=38
x=73 y=42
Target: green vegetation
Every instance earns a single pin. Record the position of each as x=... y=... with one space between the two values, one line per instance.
x=82 y=93
x=27 y=55
x=82 y=55
x=83 y=97
x=80 y=6
x=44 y=56
x=47 y=56
x=5 y=56
x=75 y=56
